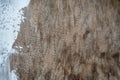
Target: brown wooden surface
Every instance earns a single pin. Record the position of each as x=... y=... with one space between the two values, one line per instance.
x=69 y=40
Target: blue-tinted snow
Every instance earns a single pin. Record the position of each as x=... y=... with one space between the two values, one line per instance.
x=10 y=19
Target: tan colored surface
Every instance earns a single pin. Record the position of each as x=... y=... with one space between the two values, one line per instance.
x=69 y=40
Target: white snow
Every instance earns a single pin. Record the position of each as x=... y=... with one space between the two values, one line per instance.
x=18 y=4
x=13 y=75
x=19 y=47
x=10 y=19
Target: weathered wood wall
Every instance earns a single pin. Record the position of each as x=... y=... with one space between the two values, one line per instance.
x=69 y=40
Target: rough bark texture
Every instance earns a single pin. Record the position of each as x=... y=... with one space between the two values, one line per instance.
x=69 y=40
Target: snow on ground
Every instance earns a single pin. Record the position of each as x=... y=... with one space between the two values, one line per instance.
x=10 y=19
x=13 y=75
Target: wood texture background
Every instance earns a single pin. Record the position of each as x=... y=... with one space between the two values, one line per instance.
x=69 y=40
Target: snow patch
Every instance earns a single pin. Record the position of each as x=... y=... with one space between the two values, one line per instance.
x=13 y=75
x=11 y=15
